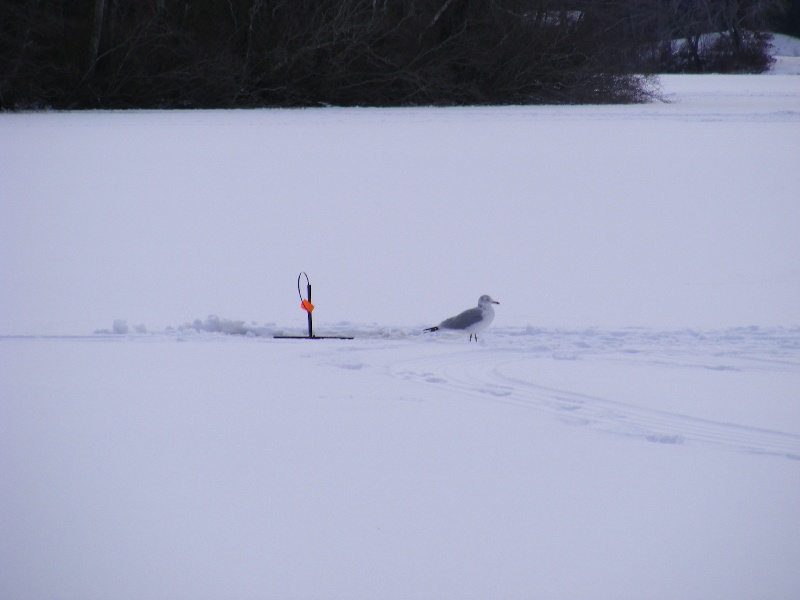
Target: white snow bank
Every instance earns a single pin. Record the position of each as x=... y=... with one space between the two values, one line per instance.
x=784 y=45
x=213 y=324
x=786 y=51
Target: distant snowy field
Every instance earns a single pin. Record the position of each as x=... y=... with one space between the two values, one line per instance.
x=629 y=427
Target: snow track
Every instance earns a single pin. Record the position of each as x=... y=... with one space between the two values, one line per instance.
x=732 y=388
x=555 y=372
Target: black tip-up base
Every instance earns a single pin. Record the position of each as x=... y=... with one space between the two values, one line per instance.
x=313 y=337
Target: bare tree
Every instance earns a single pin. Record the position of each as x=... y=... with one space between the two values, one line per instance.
x=97 y=31
x=182 y=53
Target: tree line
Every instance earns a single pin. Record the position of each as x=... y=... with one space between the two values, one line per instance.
x=76 y=54
x=702 y=36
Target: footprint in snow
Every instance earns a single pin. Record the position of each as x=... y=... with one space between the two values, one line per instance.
x=664 y=438
x=351 y=366
x=499 y=392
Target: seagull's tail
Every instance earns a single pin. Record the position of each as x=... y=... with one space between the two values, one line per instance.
x=431 y=329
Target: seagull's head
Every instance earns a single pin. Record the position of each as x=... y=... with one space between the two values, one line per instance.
x=486 y=301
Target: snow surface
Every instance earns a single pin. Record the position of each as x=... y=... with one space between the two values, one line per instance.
x=628 y=427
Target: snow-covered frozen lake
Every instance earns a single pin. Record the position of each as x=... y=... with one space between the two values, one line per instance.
x=628 y=427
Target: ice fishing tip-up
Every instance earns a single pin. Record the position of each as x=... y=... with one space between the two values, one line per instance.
x=305 y=304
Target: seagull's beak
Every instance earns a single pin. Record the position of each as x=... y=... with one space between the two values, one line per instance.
x=495 y=302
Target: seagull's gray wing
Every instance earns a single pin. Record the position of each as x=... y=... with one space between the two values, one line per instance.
x=464 y=320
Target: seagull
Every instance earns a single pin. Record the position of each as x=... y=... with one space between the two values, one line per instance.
x=473 y=320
